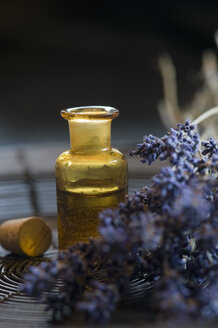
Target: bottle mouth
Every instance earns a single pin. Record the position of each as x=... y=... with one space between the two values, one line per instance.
x=90 y=112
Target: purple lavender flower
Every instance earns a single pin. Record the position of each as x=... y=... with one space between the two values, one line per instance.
x=190 y=208
x=166 y=186
x=40 y=279
x=149 y=150
x=187 y=127
x=208 y=302
x=178 y=145
x=128 y=226
x=99 y=302
x=173 y=298
x=211 y=147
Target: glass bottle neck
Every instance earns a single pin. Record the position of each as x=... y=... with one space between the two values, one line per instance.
x=88 y=136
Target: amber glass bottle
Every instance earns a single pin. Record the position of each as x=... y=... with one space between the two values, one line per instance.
x=91 y=176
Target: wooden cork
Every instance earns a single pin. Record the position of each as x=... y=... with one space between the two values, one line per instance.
x=27 y=236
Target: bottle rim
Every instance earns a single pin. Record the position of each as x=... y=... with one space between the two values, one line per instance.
x=90 y=112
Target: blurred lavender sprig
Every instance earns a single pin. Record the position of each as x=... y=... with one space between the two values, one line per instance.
x=168 y=232
x=177 y=146
x=211 y=147
x=98 y=304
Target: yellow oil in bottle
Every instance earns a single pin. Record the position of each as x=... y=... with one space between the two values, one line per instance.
x=90 y=177
x=78 y=215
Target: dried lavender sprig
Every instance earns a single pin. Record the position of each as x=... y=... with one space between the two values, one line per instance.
x=166 y=186
x=211 y=147
x=173 y=299
x=98 y=303
x=73 y=272
x=178 y=145
x=41 y=278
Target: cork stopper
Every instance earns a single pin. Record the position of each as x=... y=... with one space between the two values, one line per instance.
x=26 y=236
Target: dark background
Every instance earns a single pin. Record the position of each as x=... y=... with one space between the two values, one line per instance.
x=60 y=53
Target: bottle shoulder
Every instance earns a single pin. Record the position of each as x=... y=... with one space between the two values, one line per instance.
x=69 y=158
x=91 y=174
x=66 y=154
